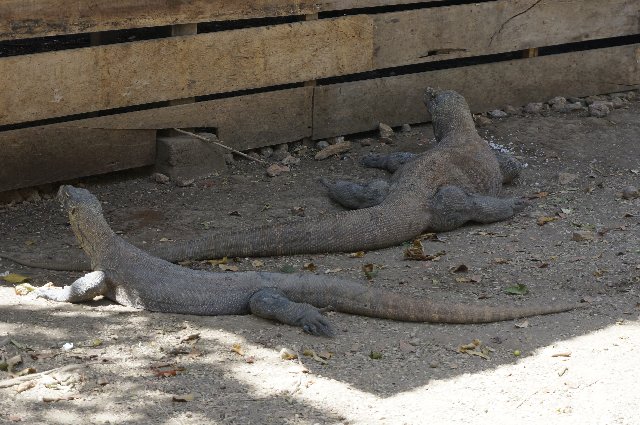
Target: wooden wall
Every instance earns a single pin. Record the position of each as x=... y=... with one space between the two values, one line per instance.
x=308 y=52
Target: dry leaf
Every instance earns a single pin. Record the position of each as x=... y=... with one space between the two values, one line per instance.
x=183 y=397
x=15 y=278
x=314 y=356
x=336 y=270
x=369 y=271
x=257 y=263
x=24 y=289
x=499 y=260
x=237 y=348
x=358 y=254
x=524 y=324
x=286 y=354
x=227 y=268
x=216 y=262
x=563 y=354
x=544 y=220
x=416 y=252
x=309 y=267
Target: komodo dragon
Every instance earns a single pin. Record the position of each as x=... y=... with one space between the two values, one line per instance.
x=132 y=277
x=455 y=182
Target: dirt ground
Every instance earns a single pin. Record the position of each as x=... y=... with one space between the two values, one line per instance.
x=138 y=367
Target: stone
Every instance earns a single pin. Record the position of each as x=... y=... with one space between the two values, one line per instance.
x=366 y=142
x=160 y=178
x=266 y=152
x=573 y=99
x=630 y=192
x=228 y=158
x=513 y=110
x=186 y=157
x=558 y=100
x=290 y=160
x=481 y=120
x=322 y=144
x=576 y=106
x=592 y=99
x=280 y=152
x=331 y=150
x=334 y=140
x=497 y=113
x=405 y=128
x=385 y=131
x=599 y=109
x=534 y=108
x=582 y=235
x=184 y=182
x=276 y=169
x=618 y=102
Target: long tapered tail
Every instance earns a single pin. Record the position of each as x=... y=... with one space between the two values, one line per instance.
x=353 y=298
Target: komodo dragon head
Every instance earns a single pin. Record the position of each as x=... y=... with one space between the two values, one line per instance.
x=85 y=214
x=449 y=111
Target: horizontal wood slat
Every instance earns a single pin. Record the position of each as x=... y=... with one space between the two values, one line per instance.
x=27 y=19
x=105 y=77
x=425 y=35
x=360 y=106
x=243 y=122
x=44 y=154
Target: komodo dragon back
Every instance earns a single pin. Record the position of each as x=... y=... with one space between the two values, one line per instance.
x=132 y=277
x=455 y=182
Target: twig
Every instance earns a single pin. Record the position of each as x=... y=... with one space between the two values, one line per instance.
x=15 y=381
x=197 y=136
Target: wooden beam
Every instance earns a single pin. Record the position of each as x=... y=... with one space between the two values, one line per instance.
x=45 y=154
x=359 y=106
x=104 y=77
x=435 y=34
x=41 y=18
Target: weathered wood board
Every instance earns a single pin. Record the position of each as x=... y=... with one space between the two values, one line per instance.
x=242 y=122
x=105 y=77
x=360 y=106
x=44 y=154
x=432 y=34
x=27 y=19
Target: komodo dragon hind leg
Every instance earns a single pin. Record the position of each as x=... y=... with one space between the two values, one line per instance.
x=272 y=304
x=355 y=196
x=452 y=207
x=389 y=162
x=509 y=166
x=82 y=289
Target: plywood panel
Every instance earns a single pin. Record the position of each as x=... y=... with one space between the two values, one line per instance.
x=432 y=34
x=26 y=19
x=44 y=154
x=104 y=77
x=359 y=106
x=243 y=122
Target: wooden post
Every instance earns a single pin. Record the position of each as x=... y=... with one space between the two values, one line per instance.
x=177 y=31
x=530 y=53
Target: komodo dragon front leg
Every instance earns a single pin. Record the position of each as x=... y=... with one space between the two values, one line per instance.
x=85 y=288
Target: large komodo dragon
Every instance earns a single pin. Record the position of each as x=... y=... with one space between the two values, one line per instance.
x=455 y=182
x=133 y=277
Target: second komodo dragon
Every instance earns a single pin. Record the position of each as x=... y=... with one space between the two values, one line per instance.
x=439 y=190
x=134 y=278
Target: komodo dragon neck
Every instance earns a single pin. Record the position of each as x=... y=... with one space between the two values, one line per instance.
x=132 y=277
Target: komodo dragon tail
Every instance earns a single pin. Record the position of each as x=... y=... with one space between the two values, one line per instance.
x=350 y=297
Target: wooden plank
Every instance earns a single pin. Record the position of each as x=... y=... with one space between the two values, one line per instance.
x=104 y=77
x=425 y=35
x=243 y=122
x=359 y=106
x=41 y=155
x=27 y=19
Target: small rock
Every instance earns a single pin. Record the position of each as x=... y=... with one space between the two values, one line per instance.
x=336 y=149
x=160 y=178
x=566 y=178
x=573 y=99
x=534 y=108
x=184 y=182
x=582 y=235
x=630 y=192
x=277 y=169
x=558 y=103
x=405 y=128
x=334 y=140
x=228 y=158
x=266 y=152
x=599 y=109
x=497 y=113
x=385 y=131
x=618 y=102
x=322 y=144
x=32 y=196
x=513 y=110
x=575 y=106
x=592 y=99
x=366 y=142
x=434 y=364
x=482 y=121
x=253 y=154
x=290 y=160
x=280 y=152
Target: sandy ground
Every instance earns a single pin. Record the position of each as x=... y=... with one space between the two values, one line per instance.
x=138 y=367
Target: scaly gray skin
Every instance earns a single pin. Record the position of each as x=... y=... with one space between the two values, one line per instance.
x=455 y=182
x=132 y=277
